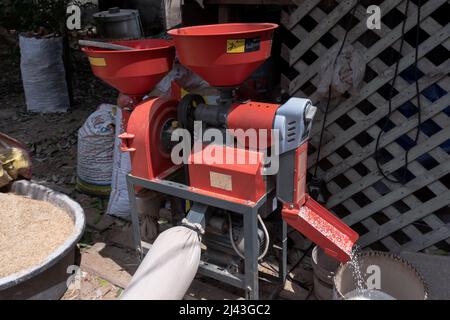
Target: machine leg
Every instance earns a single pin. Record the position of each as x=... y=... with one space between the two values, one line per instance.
x=283 y=253
x=251 y=254
x=134 y=218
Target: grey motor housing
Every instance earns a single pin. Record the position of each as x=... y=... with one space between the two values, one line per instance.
x=293 y=121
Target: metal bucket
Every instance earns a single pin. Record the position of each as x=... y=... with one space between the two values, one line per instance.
x=397 y=278
x=118 y=24
x=324 y=269
x=47 y=280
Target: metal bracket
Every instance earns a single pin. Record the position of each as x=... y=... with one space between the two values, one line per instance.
x=196 y=214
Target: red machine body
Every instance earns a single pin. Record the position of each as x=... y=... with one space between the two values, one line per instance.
x=228 y=172
x=300 y=172
x=134 y=73
x=312 y=219
x=253 y=115
x=142 y=139
x=224 y=55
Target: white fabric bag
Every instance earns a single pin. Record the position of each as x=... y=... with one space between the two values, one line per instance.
x=169 y=267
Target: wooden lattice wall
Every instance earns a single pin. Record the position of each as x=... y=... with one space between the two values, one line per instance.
x=412 y=216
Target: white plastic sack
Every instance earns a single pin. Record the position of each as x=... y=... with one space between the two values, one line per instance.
x=172 y=10
x=189 y=81
x=168 y=268
x=184 y=77
x=43 y=74
x=346 y=75
x=119 y=204
x=95 y=147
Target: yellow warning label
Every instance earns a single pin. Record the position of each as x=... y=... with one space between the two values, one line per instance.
x=97 y=62
x=235 y=45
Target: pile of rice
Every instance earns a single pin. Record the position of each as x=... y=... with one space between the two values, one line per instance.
x=30 y=230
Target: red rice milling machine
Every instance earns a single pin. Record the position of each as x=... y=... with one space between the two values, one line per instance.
x=234 y=194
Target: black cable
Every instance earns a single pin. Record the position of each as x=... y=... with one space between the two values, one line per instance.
x=419 y=107
x=416 y=76
x=301 y=258
x=296 y=265
x=322 y=130
x=275 y=292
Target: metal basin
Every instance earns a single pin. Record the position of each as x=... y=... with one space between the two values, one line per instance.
x=46 y=280
x=397 y=277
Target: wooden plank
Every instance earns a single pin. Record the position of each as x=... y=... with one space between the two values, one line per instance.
x=336 y=135
x=342 y=9
x=397 y=101
x=314 y=68
x=387 y=75
x=391 y=166
x=289 y=20
x=318 y=48
x=200 y=289
x=110 y=264
x=404 y=95
x=398 y=194
x=293 y=85
x=388 y=241
x=390 y=38
x=388 y=137
x=250 y=2
x=429 y=239
x=431 y=220
x=370 y=224
x=406 y=218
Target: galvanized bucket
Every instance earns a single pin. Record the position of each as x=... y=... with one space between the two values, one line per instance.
x=324 y=269
x=397 y=278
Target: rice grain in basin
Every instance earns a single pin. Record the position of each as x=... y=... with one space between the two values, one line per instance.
x=30 y=230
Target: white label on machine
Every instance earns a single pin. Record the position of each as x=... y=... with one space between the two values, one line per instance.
x=220 y=180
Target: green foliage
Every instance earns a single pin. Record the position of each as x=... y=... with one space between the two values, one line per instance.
x=29 y=15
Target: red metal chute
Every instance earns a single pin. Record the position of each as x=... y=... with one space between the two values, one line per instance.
x=320 y=226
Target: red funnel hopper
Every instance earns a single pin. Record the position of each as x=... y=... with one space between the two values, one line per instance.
x=133 y=72
x=224 y=54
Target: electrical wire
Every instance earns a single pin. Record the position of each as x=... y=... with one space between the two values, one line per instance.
x=322 y=130
x=288 y=275
x=300 y=259
x=403 y=180
x=233 y=244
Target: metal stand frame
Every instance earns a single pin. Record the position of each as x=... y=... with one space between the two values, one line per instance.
x=248 y=282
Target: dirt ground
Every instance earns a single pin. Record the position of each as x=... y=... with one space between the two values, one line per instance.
x=106 y=260
x=52 y=143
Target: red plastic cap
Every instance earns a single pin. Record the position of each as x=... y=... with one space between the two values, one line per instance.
x=224 y=54
x=133 y=72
